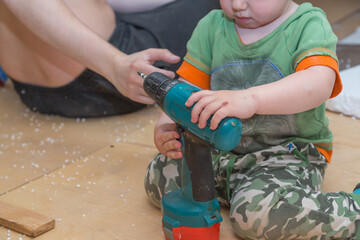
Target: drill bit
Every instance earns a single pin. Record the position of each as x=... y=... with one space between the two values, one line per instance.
x=141 y=75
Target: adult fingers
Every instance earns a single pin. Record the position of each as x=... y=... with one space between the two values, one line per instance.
x=165 y=55
x=147 y=69
x=136 y=92
x=144 y=99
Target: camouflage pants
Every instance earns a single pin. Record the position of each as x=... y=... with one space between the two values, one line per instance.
x=272 y=194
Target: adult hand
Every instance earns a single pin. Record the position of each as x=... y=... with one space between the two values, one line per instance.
x=166 y=138
x=126 y=78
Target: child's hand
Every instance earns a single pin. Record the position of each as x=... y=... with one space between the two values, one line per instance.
x=304 y=89
x=220 y=104
x=166 y=138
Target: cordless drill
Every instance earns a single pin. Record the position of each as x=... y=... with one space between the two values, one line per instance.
x=192 y=212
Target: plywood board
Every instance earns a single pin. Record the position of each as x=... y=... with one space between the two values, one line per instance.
x=33 y=144
x=343 y=172
x=99 y=197
x=24 y=221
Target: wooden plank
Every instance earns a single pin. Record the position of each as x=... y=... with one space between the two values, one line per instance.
x=343 y=173
x=100 y=196
x=23 y=220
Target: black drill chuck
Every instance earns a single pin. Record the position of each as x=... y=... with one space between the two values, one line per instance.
x=157 y=85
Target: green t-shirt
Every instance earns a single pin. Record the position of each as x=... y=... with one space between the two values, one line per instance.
x=216 y=49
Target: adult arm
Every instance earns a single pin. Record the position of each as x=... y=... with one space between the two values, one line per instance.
x=53 y=22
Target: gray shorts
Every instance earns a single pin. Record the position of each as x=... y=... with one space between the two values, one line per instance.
x=90 y=94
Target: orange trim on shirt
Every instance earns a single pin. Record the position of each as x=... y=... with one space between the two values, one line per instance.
x=194 y=75
x=324 y=61
x=327 y=153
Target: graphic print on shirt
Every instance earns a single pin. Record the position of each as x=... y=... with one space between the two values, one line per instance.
x=260 y=131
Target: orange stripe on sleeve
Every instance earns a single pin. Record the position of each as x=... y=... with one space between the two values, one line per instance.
x=325 y=61
x=327 y=153
x=194 y=75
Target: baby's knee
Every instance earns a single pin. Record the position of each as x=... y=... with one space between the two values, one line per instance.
x=261 y=217
x=162 y=176
x=248 y=220
x=151 y=185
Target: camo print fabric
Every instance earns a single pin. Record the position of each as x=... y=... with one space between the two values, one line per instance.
x=272 y=194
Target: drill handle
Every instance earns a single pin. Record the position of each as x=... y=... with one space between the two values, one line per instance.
x=197 y=154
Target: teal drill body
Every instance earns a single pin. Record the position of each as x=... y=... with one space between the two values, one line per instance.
x=192 y=212
x=224 y=138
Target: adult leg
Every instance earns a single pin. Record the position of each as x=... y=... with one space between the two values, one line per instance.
x=90 y=94
x=276 y=194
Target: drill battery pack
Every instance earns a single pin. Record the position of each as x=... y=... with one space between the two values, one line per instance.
x=205 y=233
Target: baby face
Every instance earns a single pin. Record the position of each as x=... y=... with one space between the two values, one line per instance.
x=254 y=13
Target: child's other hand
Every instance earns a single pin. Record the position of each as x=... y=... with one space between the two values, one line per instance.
x=166 y=139
x=220 y=104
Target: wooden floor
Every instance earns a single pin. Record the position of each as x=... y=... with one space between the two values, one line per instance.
x=88 y=174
